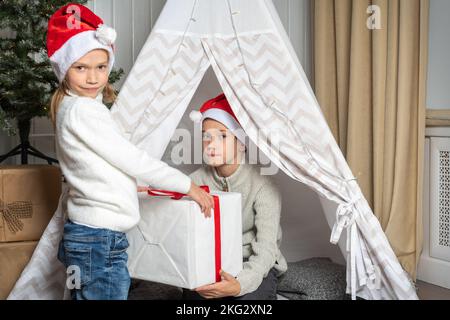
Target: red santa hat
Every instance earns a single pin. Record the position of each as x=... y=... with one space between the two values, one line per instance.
x=73 y=31
x=220 y=110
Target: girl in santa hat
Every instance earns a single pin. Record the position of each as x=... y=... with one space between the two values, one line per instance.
x=224 y=145
x=99 y=164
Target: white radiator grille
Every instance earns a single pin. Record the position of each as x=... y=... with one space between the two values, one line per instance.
x=440 y=198
x=444 y=198
x=434 y=263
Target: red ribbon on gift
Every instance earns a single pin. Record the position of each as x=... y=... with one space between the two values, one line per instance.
x=217 y=235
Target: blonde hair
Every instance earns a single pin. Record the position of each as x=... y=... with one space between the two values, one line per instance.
x=109 y=96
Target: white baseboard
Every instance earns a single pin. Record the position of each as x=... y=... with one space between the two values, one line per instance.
x=434 y=271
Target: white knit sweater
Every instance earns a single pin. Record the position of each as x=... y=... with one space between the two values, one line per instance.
x=101 y=166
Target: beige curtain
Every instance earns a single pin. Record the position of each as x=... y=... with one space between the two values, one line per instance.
x=371 y=85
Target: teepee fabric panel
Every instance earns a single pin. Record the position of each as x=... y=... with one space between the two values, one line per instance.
x=268 y=96
x=158 y=90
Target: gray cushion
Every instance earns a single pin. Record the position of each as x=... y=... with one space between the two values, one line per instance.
x=146 y=290
x=314 y=279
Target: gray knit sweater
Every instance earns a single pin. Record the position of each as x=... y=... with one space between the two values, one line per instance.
x=261 y=231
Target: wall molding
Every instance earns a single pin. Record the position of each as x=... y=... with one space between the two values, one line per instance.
x=438 y=117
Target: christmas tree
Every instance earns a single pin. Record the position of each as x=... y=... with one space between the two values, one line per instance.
x=27 y=81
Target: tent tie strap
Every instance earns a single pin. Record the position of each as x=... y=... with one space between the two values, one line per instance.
x=345 y=217
x=361 y=269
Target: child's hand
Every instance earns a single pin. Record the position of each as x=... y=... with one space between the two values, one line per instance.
x=203 y=198
x=227 y=287
x=142 y=189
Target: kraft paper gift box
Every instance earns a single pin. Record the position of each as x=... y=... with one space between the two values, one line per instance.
x=13 y=259
x=175 y=244
x=29 y=196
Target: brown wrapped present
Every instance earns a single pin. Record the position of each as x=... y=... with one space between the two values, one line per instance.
x=13 y=259
x=29 y=197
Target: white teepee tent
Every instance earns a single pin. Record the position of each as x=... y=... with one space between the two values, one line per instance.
x=251 y=55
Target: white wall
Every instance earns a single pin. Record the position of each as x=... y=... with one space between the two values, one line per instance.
x=439 y=63
x=306 y=233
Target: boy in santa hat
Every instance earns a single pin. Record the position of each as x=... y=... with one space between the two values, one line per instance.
x=224 y=145
x=99 y=164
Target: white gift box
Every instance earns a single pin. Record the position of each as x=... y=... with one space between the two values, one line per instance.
x=175 y=244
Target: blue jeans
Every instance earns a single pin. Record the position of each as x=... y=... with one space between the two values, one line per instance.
x=98 y=258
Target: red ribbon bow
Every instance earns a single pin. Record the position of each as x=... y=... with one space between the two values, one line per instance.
x=217 y=235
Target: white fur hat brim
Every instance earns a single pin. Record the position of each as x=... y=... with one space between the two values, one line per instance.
x=223 y=117
x=74 y=49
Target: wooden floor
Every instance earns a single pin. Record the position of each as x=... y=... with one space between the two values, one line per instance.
x=429 y=291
